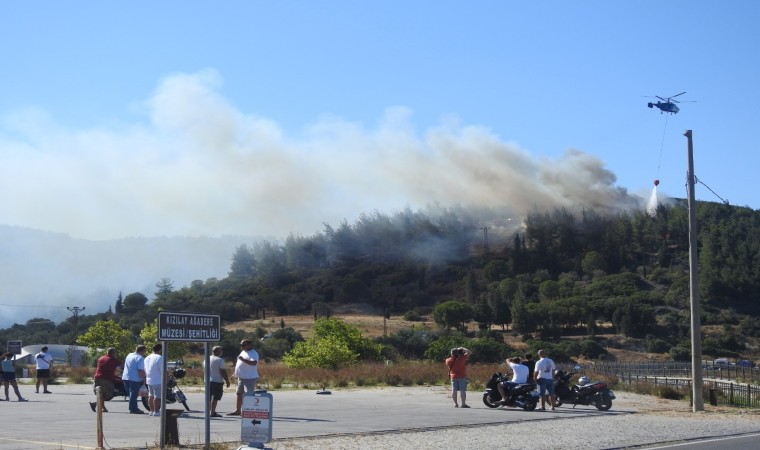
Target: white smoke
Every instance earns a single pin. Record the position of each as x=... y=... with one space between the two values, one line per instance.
x=200 y=166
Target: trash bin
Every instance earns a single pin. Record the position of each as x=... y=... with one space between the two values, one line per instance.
x=172 y=431
x=713 y=397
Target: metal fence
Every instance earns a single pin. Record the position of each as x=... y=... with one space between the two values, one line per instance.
x=679 y=370
x=730 y=386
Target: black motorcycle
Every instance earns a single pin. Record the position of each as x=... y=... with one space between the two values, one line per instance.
x=522 y=396
x=595 y=394
x=173 y=392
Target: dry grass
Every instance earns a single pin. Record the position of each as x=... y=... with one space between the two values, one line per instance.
x=275 y=376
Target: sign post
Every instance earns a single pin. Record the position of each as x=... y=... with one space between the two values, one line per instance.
x=256 y=415
x=187 y=327
x=14 y=347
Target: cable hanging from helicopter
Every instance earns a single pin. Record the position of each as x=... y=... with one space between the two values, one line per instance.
x=665 y=105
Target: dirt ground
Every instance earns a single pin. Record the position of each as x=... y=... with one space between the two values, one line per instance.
x=369 y=325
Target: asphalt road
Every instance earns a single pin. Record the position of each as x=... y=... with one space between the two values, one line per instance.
x=63 y=419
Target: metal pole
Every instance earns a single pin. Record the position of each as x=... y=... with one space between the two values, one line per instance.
x=162 y=408
x=696 y=337
x=207 y=396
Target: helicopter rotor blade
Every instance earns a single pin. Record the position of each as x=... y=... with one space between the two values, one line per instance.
x=679 y=94
x=664 y=100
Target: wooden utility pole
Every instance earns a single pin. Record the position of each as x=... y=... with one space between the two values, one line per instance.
x=696 y=336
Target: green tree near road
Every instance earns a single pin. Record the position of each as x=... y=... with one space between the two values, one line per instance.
x=107 y=334
x=334 y=344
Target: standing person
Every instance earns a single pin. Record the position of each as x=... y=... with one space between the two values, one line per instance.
x=531 y=365
x=545 y=377
x=519 y=376
x=246 y=372
x=9 y=376
x=153 y=365
x=457 y=364
x=44 y=363
x=133 y=376
x=217 y=377
x=105 y=374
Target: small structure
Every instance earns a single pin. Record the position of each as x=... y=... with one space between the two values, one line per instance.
x=59 y=352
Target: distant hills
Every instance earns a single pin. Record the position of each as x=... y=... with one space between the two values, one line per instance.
x=43 y=272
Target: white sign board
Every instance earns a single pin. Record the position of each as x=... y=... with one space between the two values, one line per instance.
x=256 y=415
x=189 y=327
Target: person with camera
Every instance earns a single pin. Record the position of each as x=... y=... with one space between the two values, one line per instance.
x=457 y=364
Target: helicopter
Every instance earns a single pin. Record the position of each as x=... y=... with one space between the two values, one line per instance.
x=667 y=105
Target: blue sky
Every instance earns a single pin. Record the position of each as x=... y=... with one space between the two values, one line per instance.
x=251 y=117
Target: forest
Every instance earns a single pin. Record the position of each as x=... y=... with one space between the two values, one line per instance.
x=559 y=274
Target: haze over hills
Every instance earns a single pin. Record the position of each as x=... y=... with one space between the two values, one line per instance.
x=43 y=272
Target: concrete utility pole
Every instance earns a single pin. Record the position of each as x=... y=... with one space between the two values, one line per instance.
x=696 y=336
x=74 y=310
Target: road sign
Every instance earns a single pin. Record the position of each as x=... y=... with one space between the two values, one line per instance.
x=256 y=418
x=189 y=327
x=14 y=347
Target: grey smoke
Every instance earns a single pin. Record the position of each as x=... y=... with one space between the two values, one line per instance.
x=198 y=166
x=194 y=165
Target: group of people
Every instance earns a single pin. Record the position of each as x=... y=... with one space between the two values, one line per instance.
x=43 y=363
x=140 y=372
x=524 y=370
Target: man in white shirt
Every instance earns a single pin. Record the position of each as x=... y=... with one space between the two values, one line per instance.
x=217 y=379
x=246 y=372
x=44 y=361
x=133 y=375
x=544 y=376
x=519 y=376
x=153 y=365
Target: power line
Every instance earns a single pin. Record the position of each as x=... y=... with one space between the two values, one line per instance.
x=32 y=306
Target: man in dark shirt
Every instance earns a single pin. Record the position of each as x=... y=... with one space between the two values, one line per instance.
x=528 y=361
x=105 y=374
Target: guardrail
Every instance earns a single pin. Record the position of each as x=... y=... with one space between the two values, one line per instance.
x=678 y=376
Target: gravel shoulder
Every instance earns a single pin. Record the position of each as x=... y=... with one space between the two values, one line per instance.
x=646 y=421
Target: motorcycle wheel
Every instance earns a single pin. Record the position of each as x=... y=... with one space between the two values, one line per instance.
x=603 y=402
x=182 y=399
x=488 y=402
x=530 y=404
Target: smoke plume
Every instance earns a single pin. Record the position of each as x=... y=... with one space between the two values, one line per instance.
x=197 y=166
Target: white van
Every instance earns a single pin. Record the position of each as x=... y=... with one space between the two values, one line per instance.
x=721 y=362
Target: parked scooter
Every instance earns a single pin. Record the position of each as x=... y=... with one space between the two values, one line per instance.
x=522 y=396
x=173 y=392
x=586 y=392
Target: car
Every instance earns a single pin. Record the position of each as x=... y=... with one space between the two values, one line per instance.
x=745 y=363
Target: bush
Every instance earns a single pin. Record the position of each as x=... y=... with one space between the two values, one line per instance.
x=669 y=393
x=680 y=354
x=412 y=316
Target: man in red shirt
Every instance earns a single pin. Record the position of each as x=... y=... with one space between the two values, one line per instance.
x=457 y=364
x=105 y=374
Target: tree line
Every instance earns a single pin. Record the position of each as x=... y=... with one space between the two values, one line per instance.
x=561 y=272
